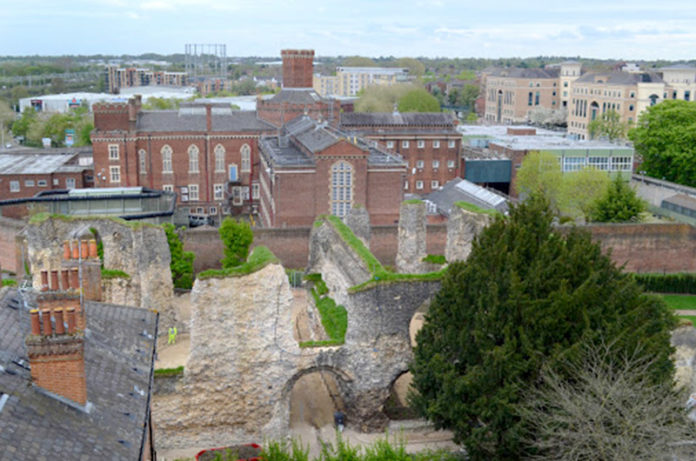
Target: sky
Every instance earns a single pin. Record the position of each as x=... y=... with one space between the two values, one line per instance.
x=605 y=29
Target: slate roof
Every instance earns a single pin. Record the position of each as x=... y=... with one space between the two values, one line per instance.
x=295 y=96
x=194 y=119
x=21 y=163
x=412 y=119
x=458 y=190
x=620 y=78
x=516 y=72
x=119 y=357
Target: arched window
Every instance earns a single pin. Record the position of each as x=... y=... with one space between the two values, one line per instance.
x=219 y=158
x=246 y=158
x=142 y=161
x=166 y=159
x=193 y=158
x=341 y=188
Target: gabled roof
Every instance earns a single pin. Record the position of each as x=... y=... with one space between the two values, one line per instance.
x=296 y=96
x=462 y=190
x=21 y=163
x=119 y=358
x=194 y=119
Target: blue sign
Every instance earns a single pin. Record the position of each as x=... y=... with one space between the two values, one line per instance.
x=69 y=137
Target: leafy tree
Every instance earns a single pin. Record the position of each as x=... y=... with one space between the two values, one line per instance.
x=540 y=171
x=358 y=61
x=619 y=203
x=609 y=124
x=381 y=98
x=21 y=126
x=608 y=409
x=182 y=261
x=414 y=66
x=418 y=100
x=580 y=190
x=236 y=237
x=665 y=137
x=527 y=298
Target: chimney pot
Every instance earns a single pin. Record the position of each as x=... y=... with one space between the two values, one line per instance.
x=84 y=247
x=93 y=254
x=75 y=250
x=75 y=278
x=71 y=320
x=44 y=280
x=35 y=322
x=60 y=326
x=54 y=281
x=66 y=250
x=46 y=318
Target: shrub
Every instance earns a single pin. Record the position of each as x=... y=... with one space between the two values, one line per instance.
x=667 y=283
x=181 y=261
x=236 y=237
x=435 y=259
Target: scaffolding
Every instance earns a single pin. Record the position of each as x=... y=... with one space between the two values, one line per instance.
x=207 y=60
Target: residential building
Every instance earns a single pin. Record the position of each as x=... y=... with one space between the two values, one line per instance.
x=680 y=80
x=511 y=93
x=117 y=78
x=428 y=142
x=349 y=81
x=76 y=374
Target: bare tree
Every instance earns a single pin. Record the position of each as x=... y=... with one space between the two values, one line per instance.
x=606 y=408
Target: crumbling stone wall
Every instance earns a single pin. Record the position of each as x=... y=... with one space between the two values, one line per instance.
x=412 y=238
x=139 y=250
x=462 y=227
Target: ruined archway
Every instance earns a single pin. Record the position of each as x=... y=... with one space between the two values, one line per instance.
x=315 y=394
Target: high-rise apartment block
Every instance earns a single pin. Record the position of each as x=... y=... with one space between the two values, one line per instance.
x=348 y=81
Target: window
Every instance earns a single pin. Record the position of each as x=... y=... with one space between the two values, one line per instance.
x=255 y=191
x=212 y=210
x=621 y=164
x=420 y=164
x=434 y=184
x=599 y=163
x=573 y=163
x=530 y=98
x=405 y=185
x=218 y=192
x=451 y=143
x=14 y=186
x=142 y=161
x=113 y=151
x=168 y=187
x=29 y=183
x=193 y=191
x=233 y=172
x=246 y=158
x=390 y=144
x=237 y=195
x=166 y=159
x=419 y=185
x=41 y=183
x=404 y=144
x=536 y=98
x=436 y=164
x=565 y=84
x=69 y=183
x=341 y=188
x=115 y=173
x=219 y=159
x=193 y=158
x=450 y=164
x=436 y=144
x=421 y=144
x=687 y=95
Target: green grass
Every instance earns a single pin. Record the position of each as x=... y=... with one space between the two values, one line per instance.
x=167 y=372
x=9 y=283
x=379 y=273
x=475 y=209
x=435 y=259
x=334 y=318
x=682 y=302
x=108 y=274
x=259 y=258
x=38 y=218
x=413 y=201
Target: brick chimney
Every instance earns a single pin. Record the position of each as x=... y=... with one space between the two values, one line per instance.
x=298 y=68
x=57 y=354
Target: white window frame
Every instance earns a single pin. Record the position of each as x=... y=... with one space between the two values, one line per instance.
x=451 y=164
x=434 y=184
x=245 y=152
x=404 y=144
x=237 y=195
x=230 y=167
x=405 y=185
x=420 y=144
x=29 y=183
x=68 y=181
x=219 y=158
x=218 y=191
x=255 y=190
x=436 y=144
x=390 y=144
x=621 y=163
x=56 y=182
x=42 y=183
x=193 y=192
x=419 y=185
x=168 y=187
x=451 y=144
x=113 y=151
x=420 y=164
x=436 y=164
x=115 y=174
x=166 y=152
x=341 y=188
x=142 y=161
x=15 y=186
x=212 y=210
x=573 y=164
x=193 y=156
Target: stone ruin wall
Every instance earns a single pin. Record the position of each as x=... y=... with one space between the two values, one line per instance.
x=141 y=251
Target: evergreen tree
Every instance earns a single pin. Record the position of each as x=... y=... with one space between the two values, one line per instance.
x=236 y=237
x=527 y=297
x=618 y=204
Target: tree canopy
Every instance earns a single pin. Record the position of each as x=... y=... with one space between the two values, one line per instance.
x=665 y=137
x=580 y=190
x=540 y=171
x=608 y=125
x=418 y=100
x=37 y=125
x=527 y=298
x=618 y=203
x=406 y=97
x=236 y=238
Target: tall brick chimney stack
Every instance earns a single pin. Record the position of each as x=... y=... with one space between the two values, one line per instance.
x=57 y=354
x=298 y=68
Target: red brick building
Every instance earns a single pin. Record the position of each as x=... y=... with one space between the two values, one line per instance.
x=428 y=142
x=27 y=173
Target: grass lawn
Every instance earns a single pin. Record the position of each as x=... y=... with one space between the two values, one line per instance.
x=675 y=302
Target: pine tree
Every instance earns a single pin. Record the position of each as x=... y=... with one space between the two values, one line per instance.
x=526 y=298
x=618 y=204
